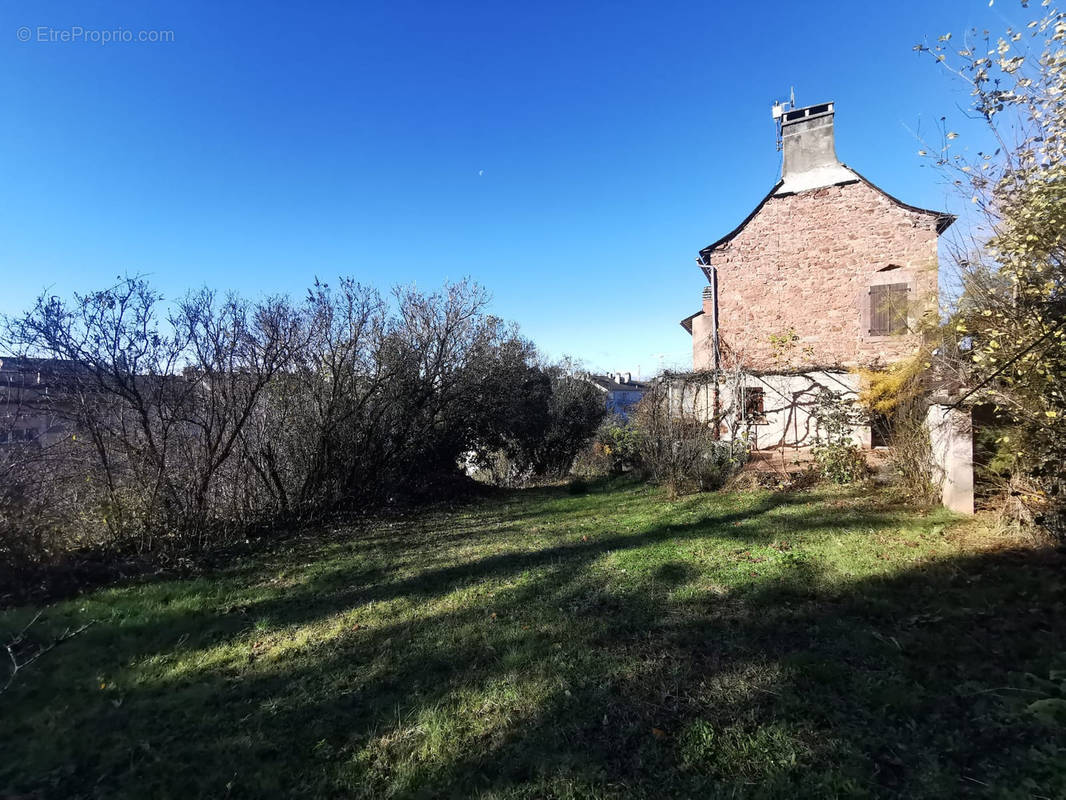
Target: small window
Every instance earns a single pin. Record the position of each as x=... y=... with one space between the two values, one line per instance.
x=753 y=404
x=888 y=309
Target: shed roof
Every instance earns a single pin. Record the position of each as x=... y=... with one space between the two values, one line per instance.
x=686 y=323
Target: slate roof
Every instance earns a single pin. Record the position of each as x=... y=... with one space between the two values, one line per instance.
x=608 y=384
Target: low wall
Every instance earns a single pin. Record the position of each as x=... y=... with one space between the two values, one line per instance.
x=951 y=437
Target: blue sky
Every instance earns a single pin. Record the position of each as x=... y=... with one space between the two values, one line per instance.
x=571 y=159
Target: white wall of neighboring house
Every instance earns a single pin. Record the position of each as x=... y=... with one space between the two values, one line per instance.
x=621 y=401
x=789 y=406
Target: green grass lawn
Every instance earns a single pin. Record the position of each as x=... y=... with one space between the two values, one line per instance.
x=544 y=644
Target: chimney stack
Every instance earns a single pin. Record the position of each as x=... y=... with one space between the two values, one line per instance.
x=807 y=139
x=809 y=149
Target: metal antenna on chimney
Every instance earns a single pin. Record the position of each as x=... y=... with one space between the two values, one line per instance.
x=778 y=110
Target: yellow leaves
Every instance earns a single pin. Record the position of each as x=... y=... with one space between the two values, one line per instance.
x=1051 y=414
x=883 y=391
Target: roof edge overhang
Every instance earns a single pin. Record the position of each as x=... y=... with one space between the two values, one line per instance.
x=686 y=323
x=706 y=251
x=943 y=219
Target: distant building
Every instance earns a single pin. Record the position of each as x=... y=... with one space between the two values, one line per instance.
x=34 y=395
x=621 y=392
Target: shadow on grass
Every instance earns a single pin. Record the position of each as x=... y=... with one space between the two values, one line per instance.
x=571 y=683
x=332 y=590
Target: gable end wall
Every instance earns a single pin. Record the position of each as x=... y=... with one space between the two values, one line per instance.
x=806 y=262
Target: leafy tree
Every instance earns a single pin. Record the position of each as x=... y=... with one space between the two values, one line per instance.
x=1007 y=334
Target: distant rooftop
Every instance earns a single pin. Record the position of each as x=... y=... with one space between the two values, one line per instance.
x=618 y=381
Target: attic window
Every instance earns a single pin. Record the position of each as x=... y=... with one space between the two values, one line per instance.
x=888 y=309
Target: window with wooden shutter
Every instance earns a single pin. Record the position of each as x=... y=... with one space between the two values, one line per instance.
x=888 y=309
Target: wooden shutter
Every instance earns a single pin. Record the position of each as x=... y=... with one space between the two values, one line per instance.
x=888 y=309
x=897 y=308
x=879 y=310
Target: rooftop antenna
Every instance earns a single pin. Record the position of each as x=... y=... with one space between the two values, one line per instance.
x=778 y=110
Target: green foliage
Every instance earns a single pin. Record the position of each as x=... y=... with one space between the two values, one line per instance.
x=785 y=349
x=614 y=449
x=620 y=440
x=188 y=426
x=840 y=462
x=836 y=455
x=559 y=413
x=575 y=411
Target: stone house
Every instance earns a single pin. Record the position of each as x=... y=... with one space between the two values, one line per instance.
x=829 y=272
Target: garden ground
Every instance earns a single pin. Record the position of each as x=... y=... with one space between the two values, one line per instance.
x=549 y=644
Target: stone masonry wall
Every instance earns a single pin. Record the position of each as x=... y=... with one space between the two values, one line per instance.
x=807 y=262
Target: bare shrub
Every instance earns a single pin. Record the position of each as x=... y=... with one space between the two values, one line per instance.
x=679 y=427
x=161 y=406
x=183 y=426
